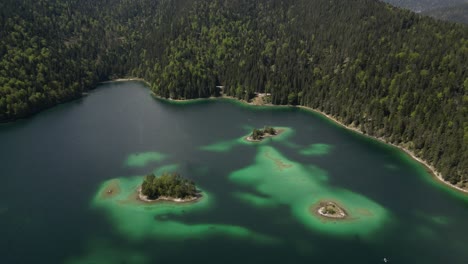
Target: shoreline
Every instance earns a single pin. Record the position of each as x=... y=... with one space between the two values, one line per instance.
x=144 y=198
x=130 y=79
x=433 y=171
x=430 y=169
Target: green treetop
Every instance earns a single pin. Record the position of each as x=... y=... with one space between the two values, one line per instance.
x=168 y=184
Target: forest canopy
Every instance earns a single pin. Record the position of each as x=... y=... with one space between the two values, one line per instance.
x=392 y=73
x=258 y=134
x=168 y=185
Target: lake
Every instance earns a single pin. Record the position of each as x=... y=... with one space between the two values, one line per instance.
x=259 y=198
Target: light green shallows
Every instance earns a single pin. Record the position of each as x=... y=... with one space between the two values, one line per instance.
x=284 y=182
x=138 y=220
x=226 y=146
x=316 y=150
x=222 y=146
x=143 y=159
x=171 y=168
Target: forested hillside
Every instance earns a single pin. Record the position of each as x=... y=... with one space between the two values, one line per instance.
x=390 y=72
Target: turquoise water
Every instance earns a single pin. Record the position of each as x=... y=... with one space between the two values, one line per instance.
x=258 y=198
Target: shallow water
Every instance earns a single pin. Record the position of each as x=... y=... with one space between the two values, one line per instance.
x=258 y=197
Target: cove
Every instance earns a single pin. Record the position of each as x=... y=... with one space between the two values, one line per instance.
x=258 y=196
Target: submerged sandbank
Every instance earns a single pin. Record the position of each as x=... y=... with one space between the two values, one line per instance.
x=111 y=189
x=164 y=220
x=277 y=181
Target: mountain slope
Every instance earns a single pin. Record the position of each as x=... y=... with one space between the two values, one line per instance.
x=388 y=71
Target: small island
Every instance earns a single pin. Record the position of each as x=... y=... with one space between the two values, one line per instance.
x=330 y=209
x=260 y=134
x=168 y=187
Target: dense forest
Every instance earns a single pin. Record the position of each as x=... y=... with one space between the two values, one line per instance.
x=168 y=185
x=259 y=134
x=390 y=72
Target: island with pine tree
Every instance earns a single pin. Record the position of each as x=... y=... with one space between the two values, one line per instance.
x=168 y=187
x=259 y=135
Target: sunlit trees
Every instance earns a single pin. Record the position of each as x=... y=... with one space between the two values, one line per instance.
x=389 y=72
x=168 y=185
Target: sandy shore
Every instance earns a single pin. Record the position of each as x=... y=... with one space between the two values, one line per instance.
x=145 y=198
x=429 y=167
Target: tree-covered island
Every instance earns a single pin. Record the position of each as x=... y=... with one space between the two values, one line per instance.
x=168 y=186
x=260 y=134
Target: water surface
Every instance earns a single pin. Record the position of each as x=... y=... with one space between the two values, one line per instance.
x=54 y=165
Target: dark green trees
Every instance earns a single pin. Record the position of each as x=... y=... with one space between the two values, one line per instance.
x=392 y=73
x=269 y=130
x=258 y=134
x=168 y=185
